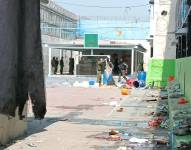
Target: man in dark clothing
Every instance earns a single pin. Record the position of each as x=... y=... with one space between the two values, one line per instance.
x=61 y=65
x=140 y=67
x=122 y=70
x=71 y=66
x=56 y=65
x=116 y=66
x=53 y=63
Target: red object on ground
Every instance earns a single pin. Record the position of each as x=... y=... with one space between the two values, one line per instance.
x=171 y=78
x=155 y=122
x=131 y=81
x=182 y=101
x=109 y=138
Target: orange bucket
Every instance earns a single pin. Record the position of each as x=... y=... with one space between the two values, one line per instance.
x=124 y=91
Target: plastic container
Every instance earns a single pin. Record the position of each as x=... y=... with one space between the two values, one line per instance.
x=131 y=81
x=142 y=76
x=136 y=84
x=141 y=83
x=171 y=78
x=124 y=91
x=91 y=82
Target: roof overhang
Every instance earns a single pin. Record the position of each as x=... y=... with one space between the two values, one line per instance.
x=80 y=47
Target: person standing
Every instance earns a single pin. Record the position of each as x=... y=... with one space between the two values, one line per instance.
x=53 y=64
x=108 y=73
x=122 y=70
x=116 y=66
x=71 y=66
x=140 y=67
x=56 y=65
x=100 y=70
x=61 y=65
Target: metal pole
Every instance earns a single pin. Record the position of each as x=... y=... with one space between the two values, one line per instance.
x=49 y=65
x=132 y=60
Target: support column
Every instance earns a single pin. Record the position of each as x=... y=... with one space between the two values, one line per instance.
x=92 y=52
x=60 y=33
x=132 y=60
x=49 y=60
x=61 y=53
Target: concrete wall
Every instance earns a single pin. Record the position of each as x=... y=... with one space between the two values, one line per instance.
x=183 y=73
x=10 y=128
x=164 y=42
x=164 y=29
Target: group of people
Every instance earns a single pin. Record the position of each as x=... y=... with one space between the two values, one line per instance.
x=105 y=71
x=55 y=63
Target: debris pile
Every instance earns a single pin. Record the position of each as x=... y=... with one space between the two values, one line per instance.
x=180 y=115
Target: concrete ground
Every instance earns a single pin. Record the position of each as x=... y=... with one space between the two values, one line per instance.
x=81 y=118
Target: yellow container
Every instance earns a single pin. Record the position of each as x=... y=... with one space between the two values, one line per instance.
x=124 y=91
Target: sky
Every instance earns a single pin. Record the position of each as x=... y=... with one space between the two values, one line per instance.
x=132 y=13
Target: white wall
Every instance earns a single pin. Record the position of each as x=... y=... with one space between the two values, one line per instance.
x=164 y=30
x=10 y=128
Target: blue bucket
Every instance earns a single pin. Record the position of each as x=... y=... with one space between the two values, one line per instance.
x=142 y=76
x=91 y=82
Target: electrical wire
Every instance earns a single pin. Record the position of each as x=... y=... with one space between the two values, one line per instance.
x=105 y=7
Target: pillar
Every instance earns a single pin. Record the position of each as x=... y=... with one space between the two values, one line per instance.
x=132 y=60
x=49 y=60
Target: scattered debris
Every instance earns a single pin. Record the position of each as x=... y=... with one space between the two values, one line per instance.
x=114 y=103
x=137 y=140
x=161 y=142
x=122 y=148
x=165 y=124
x=32 y=145
x=149 y=106
x=151 y=100
x=113 y=132
x=120 y=109
x=184 y=146
x=110 y=138
x=155 y=122
x=182 y=101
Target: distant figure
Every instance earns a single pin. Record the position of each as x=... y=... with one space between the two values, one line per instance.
x=53 y=64
x=61 y=65
x=56 y=65
x=116 y=66
x=108 y=73
x=123 y=67
x=100 y=70
x=140 y=67
x=71 y=66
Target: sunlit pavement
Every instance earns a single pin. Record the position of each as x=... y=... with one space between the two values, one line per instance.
x=77 y=116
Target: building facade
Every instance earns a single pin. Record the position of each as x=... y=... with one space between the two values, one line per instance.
x=117 y=30
x=58 y=25
x=162 y=63
x=114 y=28
x=183 y=49
x=57 y=21
x=171 y=32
